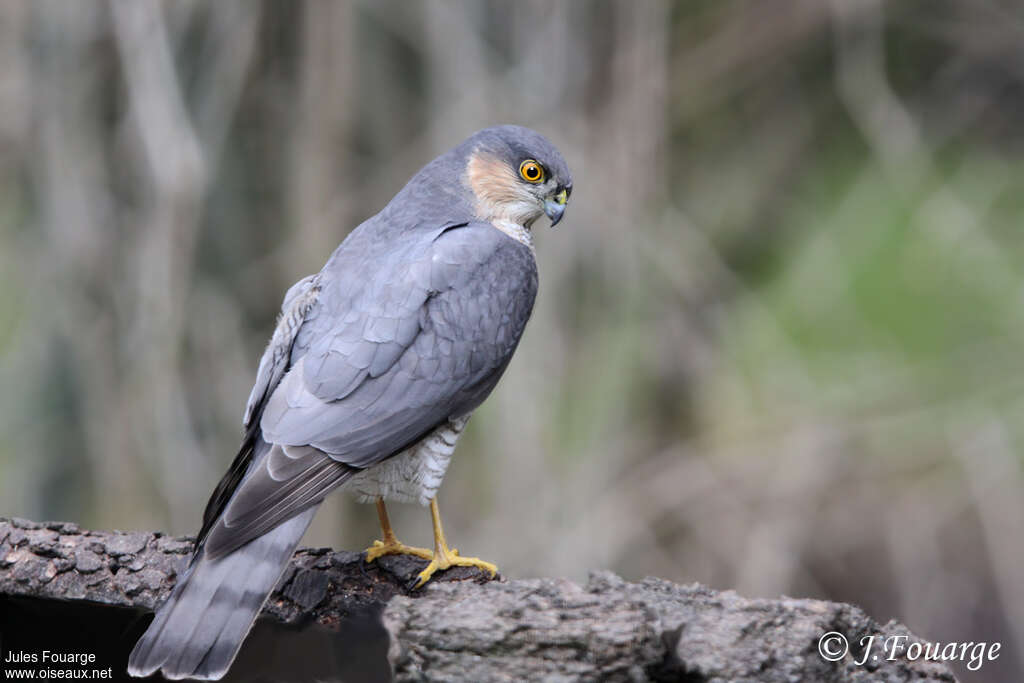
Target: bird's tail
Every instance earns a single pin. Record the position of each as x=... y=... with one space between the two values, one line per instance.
x=198 y=631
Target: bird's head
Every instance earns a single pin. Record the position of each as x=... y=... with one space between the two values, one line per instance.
x=515 y=175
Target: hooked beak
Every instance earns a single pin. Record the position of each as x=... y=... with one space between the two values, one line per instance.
x=555 y=206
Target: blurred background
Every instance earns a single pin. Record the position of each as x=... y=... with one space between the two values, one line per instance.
x=777 y=346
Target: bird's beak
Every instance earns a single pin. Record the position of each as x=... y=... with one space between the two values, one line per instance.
x=555 y=207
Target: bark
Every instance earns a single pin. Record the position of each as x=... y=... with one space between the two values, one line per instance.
x=462 y=627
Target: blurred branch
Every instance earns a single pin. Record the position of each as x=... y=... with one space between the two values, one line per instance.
x=888 y=127
x=177 y=175
x=225 y=66
x=994 y=477
x=173 y=152
x=320 y=155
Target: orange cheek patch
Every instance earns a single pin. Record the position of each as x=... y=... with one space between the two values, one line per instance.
x=494 y=184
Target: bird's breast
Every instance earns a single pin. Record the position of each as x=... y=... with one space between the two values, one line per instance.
x=415 y=474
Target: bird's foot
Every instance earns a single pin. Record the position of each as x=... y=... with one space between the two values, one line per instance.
x=392 y=546
x=445 y=558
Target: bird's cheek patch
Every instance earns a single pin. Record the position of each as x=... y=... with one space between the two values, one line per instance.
x=498 y=191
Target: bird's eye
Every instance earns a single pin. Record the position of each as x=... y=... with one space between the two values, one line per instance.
x=531 y=171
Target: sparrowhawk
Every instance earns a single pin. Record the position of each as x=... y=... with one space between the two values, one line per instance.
x=375 y=366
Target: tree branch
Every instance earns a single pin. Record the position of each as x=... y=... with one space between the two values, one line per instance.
x=462 y=627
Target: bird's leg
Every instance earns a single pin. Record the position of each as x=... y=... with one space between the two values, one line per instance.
x=445 y=557
x=391 y=545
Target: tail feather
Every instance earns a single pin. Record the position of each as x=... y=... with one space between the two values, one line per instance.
x=197 y=633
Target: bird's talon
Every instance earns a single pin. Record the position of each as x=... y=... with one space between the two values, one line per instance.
x=395 y=547
x=446 y=558
x=423 y=577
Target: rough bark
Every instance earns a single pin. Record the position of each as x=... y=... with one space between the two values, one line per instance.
x=463 y=628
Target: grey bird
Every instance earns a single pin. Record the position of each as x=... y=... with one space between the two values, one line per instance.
x=375 y=366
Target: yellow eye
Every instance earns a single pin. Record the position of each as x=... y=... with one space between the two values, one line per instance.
x=531 y=171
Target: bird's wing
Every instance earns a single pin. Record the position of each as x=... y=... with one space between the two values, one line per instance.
x=276 y=360
x=378 y=363
x=374 y=382
x=298 y=301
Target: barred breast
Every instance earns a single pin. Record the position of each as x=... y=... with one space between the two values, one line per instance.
x=415 y=474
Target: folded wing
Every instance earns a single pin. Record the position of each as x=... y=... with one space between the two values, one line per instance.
x=382 y=357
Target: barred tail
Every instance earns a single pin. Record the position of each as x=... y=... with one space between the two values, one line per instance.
x=199 y=630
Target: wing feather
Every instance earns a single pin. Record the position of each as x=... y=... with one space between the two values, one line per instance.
x=383 y=356
x=298 y=301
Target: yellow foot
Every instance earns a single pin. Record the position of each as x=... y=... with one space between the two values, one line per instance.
x=445 y=558
x=394 y=547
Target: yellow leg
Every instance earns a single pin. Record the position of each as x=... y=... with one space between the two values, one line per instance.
x=391 y=545
x=445 y=557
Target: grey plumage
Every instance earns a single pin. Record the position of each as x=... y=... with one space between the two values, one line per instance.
x=410 y=323
x=197 y=632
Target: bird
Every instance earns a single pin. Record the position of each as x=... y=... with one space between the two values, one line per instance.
x=373 y=370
